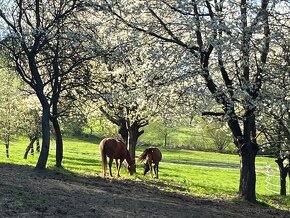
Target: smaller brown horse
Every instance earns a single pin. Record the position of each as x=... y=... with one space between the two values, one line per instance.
x=151 y=155
x=115 y=149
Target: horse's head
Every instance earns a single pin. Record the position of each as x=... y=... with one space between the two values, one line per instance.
x=131 y=168
x=146 y=168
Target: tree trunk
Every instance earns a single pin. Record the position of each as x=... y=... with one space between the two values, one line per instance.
x=30 y=146
x=283 y=174
x=248 y=148
x=123 y=131
x=132 y=143
x=282 y=184
x=133 y=138
x=7 y=144
x=58 y=142
x=247 y=189
x=91 y=131
x=56 y=90
x=248 y=152
x=165 y=139
x=7 y=149
x=134 y=134
x=38 y=87
x=32 y=150
x=37 y=144
x=42 y=160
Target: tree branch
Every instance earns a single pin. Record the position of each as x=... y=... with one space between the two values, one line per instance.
x=209 y=113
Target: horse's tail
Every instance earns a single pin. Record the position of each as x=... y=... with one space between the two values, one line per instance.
x=103 y=156
x=143 y=155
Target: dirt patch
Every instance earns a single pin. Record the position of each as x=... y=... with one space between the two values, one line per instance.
x=26 y=192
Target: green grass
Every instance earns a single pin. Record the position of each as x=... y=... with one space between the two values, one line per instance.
x=190 y=172
x=181 y=136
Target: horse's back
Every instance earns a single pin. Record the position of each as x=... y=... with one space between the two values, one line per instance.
x=154 y=153
x=157 y=156
x=113 y=148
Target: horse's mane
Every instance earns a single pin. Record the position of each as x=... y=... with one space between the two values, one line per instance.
x=128 y=156
x=121 y=142
x=144 y=155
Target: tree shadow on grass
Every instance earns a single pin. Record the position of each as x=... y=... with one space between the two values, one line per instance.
x=85 y=161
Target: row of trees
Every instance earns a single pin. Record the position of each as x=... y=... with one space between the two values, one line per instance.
x=135 y=60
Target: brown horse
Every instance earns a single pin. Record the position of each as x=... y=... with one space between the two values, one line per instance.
x=151 y=155
x=115 y=149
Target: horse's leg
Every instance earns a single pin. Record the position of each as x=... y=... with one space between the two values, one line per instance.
x=121 y=161
x=117 y=167
x=104 y=164
x=110 y=166
x=156 y=170
x=150 y=166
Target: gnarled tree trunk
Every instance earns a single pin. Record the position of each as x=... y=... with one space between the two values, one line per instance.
x=246 y=142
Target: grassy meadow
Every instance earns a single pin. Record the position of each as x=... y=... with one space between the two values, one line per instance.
x=190 y=172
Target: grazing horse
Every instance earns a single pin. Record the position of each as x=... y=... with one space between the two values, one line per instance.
x=151 y=155
x=115 y=149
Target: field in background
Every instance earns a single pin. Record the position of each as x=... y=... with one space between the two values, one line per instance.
x=190 y=172
x=195 y=137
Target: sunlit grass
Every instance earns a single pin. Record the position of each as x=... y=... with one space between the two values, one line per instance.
x=206 y=174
